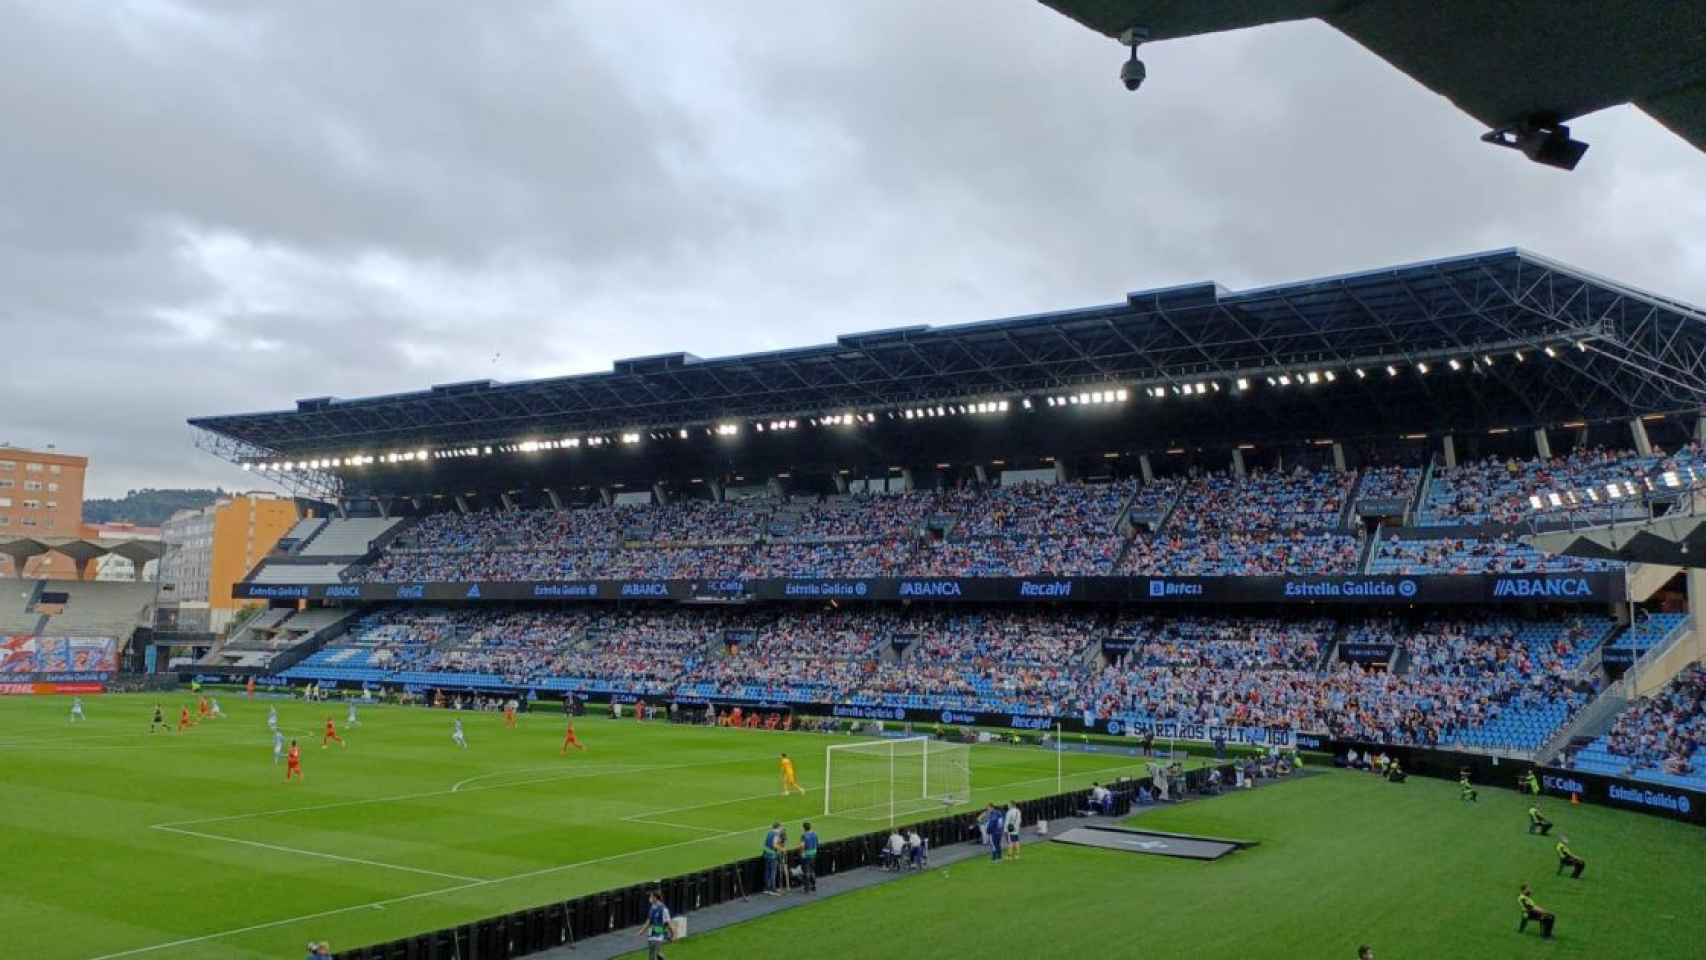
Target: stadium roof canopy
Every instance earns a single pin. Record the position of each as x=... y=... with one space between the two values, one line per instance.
x=81 y=550
x=1517 y=66
x=1504 y=339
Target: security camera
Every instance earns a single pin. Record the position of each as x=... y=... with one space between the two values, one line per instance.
x=1132 y=72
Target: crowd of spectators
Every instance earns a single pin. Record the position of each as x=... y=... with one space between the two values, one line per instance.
x=897 y=516
x=701 y=521
x=1242 y=554
x=1667 y=730
x=1470 y=555
x=1066 y=554
x=1296 y=499
x=1156 y=497
x=1042 y=510
x=1449 y=677
x=1230 y=643
x=1389 y=483
x=1497 y=490
x=845 y=558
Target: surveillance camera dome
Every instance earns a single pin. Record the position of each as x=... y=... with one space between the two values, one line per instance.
x=1132 y=73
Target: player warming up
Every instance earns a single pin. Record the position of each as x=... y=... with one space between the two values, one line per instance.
x=1534 y=911
x=76 y=710
x=570 y=740
x=1568 y=858
x=789 y=780
x=456 y=736
x=331 y=734
x=293 y=762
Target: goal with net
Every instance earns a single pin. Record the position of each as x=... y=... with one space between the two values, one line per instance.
x=883 y=779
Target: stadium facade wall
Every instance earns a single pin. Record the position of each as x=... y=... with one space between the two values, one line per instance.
x=1595 y=588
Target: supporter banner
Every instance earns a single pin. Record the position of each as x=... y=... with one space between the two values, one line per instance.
x=1367 y=652
x=1659 y=799
x=27 y=659
x=1504 y=588
x=1616 y=660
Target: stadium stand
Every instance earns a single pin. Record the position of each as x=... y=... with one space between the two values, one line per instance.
x=1661 y=738
x=294 y=573
x=1503 y=553
x=345 y=537
x=1271 y=522
x=1497 y=490
x=91 y=608
x=1469 y=680
x=1648 y=630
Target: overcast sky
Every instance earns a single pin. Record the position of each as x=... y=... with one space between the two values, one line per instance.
x=223 y=207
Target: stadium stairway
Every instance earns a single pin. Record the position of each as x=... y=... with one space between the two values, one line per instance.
x=1368 y=549
x=1421 y=496
x=1683 y=644
x=34 y=596
x=303 y=533
x=314 y=641
x=1348 y=515
x=1589 y=723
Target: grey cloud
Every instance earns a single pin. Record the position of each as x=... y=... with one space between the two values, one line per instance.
x=215 y=207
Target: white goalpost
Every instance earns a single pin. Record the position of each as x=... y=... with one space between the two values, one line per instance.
x=878 y=779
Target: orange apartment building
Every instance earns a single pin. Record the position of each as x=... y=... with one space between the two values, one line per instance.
x=41 y=495
x=210 y=549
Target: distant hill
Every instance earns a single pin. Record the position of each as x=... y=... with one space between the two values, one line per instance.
x=148 y=508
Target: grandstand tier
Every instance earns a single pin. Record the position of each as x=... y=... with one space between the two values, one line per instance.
x=1476 y=679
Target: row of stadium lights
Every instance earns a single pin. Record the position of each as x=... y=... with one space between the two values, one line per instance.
x=1313 y=377
x=1614 y=491
x=1084 y=398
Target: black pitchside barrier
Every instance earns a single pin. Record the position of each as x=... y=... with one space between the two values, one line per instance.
x=543 y=928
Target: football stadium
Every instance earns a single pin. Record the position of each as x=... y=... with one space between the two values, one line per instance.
x=1356 y=614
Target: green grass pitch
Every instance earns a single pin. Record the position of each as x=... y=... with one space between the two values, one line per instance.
x=1345 y=859
x=118 y=844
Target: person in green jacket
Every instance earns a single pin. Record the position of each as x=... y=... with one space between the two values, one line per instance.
x=1568 y=858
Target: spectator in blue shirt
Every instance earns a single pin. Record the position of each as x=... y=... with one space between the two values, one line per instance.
x=808 y=858
x=656 y=930
x=772 y=862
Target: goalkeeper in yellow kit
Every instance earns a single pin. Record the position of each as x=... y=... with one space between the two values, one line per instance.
x=789 y=780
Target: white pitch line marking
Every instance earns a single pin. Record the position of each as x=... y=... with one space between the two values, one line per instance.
x=317 y=853
x=569 y=775
x=595 y=767
x=544 y=871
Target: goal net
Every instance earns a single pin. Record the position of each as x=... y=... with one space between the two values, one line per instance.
x=883 y=779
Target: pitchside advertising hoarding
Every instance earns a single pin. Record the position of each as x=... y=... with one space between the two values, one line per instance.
x=1591 y=588
x=1662 y=800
